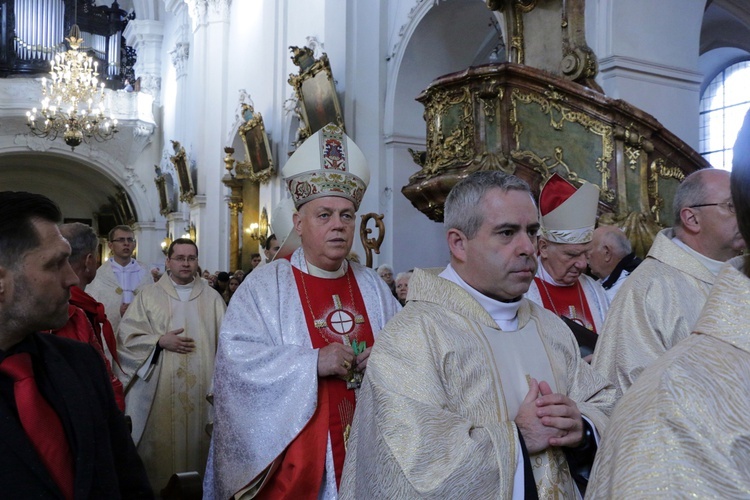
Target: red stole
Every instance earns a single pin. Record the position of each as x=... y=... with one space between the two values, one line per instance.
x=334 y=311
x=568 y=301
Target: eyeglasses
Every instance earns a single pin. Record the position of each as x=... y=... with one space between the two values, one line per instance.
x=727 y=205
x=123 y=240
x=182 y=258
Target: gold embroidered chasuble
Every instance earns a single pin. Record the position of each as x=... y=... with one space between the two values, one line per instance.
x=655 y=308
x=168 y=404
x=435 y=412
x=682 y=430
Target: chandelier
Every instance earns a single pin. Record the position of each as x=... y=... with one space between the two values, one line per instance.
x=72 y=99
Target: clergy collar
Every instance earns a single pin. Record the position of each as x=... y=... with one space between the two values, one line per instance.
x=129 y=264
x=322 y=273
x=503 y=311
x=714 y=266
x=178 y=286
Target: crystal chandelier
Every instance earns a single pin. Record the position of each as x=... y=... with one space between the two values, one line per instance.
x=72 y=100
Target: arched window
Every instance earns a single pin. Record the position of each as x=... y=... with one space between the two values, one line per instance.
x=722 y=110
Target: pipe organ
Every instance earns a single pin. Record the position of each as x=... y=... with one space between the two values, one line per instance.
x=32 y=31
x=39 y=28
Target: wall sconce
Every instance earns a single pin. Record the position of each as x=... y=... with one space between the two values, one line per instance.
x=165 y=245
x=190 y=233
x=253 y=231
x=259 y=230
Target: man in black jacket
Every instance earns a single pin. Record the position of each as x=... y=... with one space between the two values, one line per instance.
x=68 y=379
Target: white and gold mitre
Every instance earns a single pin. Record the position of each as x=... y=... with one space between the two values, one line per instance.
x=282 y=223
x=567 y=214
x=328 y=163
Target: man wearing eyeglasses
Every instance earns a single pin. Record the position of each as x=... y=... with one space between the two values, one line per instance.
x=120 y=278
x=167 y=344
x=658 y=304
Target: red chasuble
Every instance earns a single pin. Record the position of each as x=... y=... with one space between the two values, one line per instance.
x=334 y=312
x=568 y=301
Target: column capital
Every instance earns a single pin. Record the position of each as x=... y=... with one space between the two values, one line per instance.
x=203 y=12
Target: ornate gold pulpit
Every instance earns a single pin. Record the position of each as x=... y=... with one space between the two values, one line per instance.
x=532 y=123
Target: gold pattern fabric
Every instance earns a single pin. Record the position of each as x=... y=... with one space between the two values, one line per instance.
x=655 y=308
x=431 y=421
x=683 y=429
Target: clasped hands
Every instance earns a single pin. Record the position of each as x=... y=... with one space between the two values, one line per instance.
x=547 y=419
x=337 y=359
x=171 y=341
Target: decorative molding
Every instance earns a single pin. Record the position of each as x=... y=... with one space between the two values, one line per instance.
x=314 y=44
x=151 y=84
x=420 y=8
x=402 y=140
x=639 y=69
x=243 y=99
x=180 y=55
x=203 y=12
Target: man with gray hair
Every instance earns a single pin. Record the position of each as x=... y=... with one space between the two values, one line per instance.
x=611 y=258
x=659 y=303
x=87 y=320
x=471 y=383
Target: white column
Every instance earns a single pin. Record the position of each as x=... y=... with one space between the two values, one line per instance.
x=150 y=236
x=207 y=70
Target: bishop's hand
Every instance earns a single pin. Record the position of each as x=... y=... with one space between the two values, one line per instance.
x=335 y=359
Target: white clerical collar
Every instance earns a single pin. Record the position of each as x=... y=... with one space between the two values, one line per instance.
x=714 y=266
x=322 y=273
x=183 y=291
x=505 y=314
x=118 y=266
x=544 y=275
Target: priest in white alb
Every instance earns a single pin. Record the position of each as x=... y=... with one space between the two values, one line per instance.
x=166 y=346
x=119 y=279
x=473 y=391
x=296 y=340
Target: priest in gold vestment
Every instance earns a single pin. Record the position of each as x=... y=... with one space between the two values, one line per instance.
x=167 y=344
x=473 y=391
x=658 y=304
x=682 y=429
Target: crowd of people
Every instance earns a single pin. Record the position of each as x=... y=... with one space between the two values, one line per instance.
x=546 y=360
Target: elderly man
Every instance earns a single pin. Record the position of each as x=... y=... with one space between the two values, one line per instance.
x=472 y=391
x=296 y=339
x=167 y=344
x=659 y=303
x=120 y=278
x=568 y=216
x=611 y=258
x=87 y=320
x=62 y=433
x=681 y=430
